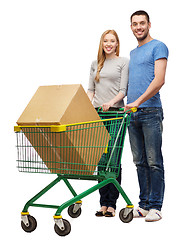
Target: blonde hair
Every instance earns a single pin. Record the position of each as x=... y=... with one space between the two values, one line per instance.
x=101 y=54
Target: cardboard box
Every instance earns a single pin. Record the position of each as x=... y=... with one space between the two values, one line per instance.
x=63 y=104
x=76 y=150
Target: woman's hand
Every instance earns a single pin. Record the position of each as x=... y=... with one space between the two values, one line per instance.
x=119 y=97
x=107 y=105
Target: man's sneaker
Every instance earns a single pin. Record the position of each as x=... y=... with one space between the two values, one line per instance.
x=153 y=215
x=139 y=212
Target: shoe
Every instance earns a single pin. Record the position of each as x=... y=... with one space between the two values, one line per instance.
x=110 y=214
x=99 y=214
x=140 y=212
x=153 y=216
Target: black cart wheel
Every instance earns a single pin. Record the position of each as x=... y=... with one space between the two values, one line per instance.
x=126 y=219
x=32 y=224
x=67 y=228
x=73 y=214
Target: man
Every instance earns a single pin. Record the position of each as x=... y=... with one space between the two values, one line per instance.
x=146 y=77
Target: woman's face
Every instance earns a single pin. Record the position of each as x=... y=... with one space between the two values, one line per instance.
x=109 y=45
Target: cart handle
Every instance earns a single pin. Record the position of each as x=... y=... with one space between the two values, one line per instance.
x=134 y=109
x=62 y=128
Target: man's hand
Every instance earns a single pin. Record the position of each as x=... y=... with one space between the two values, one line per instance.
x=131 y=105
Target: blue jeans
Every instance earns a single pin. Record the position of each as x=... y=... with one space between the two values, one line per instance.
x=145 y=133
x=109 y=193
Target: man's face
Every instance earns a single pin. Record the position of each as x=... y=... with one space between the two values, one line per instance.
x=140 y=27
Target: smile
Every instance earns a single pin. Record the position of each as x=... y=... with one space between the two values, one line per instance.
x=108 y=48
x=139 y=32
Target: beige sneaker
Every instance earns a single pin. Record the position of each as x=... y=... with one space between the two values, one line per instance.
x=153 y=216
x=140 y=212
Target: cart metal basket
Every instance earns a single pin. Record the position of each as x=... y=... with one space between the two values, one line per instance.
x=85 y=151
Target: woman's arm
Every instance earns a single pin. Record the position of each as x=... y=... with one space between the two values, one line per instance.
x=90 y=95
x=113 y=101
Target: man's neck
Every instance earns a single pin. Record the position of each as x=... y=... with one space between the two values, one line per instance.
x=144 y=41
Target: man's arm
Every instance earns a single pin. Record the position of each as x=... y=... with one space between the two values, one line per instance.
x=154 y=87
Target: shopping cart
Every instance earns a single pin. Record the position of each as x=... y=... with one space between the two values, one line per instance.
x=85 y=151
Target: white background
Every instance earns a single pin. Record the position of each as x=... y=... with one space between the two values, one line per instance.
x=54 y=42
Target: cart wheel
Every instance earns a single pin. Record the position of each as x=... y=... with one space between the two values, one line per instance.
x=32 y=224
x=72 y=213
x=126 y=219
x=67 y=228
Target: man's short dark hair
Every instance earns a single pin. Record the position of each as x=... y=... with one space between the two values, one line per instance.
x=140 y=12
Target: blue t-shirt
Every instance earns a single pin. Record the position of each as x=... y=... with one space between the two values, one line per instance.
x=141 y=71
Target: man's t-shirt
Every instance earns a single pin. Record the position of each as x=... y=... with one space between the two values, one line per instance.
x=141 y=71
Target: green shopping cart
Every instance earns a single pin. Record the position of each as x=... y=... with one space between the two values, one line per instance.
x=73 y=151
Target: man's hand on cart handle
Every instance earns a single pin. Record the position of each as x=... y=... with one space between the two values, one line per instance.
x=130 y=109
x=131 y=106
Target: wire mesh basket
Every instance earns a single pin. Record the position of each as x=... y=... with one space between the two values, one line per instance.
x=83 y=149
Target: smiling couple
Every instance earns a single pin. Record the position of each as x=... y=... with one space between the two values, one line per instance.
x=112 y=77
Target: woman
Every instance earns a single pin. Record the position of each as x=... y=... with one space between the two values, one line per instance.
x=107 y=88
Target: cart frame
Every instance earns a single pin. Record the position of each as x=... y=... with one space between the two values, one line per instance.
x=62 y=226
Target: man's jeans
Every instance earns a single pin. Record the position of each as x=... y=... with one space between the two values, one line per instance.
x=145 y=133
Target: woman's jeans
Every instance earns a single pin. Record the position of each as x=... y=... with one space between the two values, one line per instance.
x=145 y=133
x=109 y=193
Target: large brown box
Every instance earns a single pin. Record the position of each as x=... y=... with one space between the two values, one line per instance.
x=69 y=152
